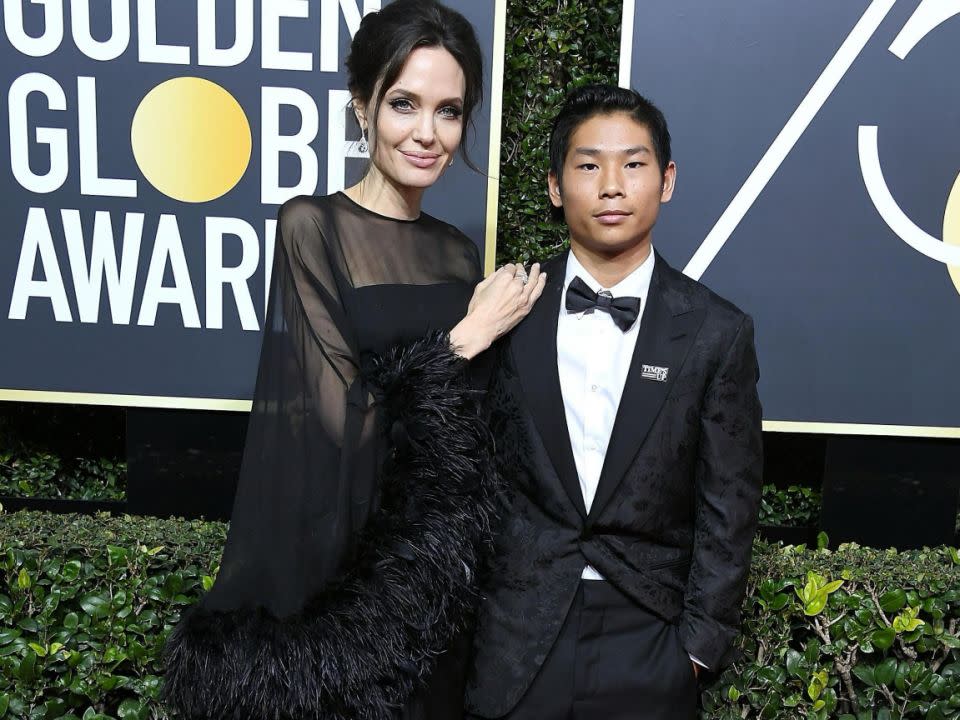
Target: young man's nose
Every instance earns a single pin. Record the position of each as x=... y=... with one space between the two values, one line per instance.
x=611 y=183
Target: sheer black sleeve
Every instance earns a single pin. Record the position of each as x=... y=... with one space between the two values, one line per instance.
x=334 y=597
x=292 y=515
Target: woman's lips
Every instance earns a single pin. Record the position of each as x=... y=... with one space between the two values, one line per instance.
x=421 y=159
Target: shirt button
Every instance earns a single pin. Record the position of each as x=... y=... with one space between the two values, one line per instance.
x=593 y=388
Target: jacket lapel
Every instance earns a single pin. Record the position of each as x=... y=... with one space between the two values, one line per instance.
x=667 y=330
x=533 y=346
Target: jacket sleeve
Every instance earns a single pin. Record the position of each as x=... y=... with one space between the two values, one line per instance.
x=728 y=483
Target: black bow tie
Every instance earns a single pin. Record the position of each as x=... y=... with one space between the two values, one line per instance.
x=623 y=310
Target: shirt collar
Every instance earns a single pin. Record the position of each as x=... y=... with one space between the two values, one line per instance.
x=636 y=284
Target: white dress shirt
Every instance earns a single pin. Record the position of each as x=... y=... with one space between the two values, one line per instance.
x=593 y=358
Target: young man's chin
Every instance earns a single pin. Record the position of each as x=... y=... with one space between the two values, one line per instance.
x=612 y=246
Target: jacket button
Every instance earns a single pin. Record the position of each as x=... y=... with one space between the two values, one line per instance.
x=586 y=535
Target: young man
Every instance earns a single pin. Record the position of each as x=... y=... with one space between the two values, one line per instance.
x=628 y=430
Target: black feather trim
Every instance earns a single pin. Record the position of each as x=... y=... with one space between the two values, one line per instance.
x=360 y=649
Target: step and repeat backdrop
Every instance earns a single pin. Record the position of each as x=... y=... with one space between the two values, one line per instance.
x=145 y=148
x=818 y=152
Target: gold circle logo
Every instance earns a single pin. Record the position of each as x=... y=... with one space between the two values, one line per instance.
x=191 y=139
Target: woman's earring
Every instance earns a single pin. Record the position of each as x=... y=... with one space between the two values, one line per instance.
x=362 y=147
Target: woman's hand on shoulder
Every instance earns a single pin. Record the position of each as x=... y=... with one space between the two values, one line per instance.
x=499 y=302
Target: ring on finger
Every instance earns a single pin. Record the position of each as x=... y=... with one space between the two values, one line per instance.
x=522 y=276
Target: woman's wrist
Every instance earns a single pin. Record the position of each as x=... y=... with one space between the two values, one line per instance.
x=466 y=340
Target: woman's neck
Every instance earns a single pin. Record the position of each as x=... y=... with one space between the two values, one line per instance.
x=375 y=192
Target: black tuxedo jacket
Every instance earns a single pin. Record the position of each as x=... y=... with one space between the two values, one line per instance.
x=675 y=511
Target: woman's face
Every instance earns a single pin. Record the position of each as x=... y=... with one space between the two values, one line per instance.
x=421 y=120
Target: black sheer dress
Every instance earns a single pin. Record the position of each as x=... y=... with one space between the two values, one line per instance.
x=366 y=487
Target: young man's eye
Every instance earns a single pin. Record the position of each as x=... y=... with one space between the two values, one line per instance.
x=636 y=164
x=451 y=111
x=587 y=166
x=401 y=104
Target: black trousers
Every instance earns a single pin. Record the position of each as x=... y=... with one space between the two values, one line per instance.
x=612 y=660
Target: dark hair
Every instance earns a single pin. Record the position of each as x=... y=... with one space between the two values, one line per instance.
x=591 y=100
x=387 y=37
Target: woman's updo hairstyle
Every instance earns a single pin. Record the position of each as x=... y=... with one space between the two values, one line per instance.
x=387 y=37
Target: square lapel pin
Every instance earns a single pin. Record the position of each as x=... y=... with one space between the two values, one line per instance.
x=654 y=372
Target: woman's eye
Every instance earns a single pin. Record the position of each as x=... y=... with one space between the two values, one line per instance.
x=451 y=111
x=401 y=104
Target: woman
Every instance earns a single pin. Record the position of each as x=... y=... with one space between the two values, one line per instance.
x=366 y=487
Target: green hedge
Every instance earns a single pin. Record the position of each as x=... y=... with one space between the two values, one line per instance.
x=52 y=451
x=854 y=634
x=794 y=506
x=551 y=47
x=41 y=474
x=86 y=605
x=88 y=601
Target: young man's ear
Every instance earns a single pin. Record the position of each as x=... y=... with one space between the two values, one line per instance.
x=669 y=182
x=553 y=189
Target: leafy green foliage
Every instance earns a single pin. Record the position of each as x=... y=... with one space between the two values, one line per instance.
x=56 y=452
x=85 y=606
x=855 y=634
x=552 y=46
x=47 y=475
x=88 y=601
x=794 y=507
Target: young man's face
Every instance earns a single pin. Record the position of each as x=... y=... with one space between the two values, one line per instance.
x=612 y=187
